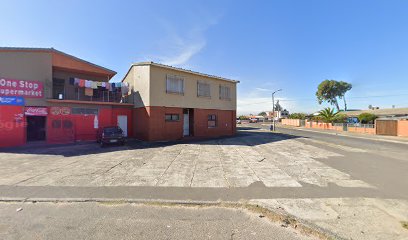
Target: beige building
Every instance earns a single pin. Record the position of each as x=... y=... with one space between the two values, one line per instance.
x=171 y=103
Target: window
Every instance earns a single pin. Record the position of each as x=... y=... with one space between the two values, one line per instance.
x=225 y=93
x=212 y=121
x=203 y=89
x=89 y=111
x=58 y=87
x=174 y=84
x=172 y=117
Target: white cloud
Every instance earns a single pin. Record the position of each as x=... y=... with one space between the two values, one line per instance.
x=185 y=53
x=178 y=47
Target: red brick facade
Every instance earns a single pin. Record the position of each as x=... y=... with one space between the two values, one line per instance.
x=149 y=123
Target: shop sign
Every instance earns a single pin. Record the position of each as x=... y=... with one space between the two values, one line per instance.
x=36 y=111
x=22 y=88
x=15 y=101
x=60 y=110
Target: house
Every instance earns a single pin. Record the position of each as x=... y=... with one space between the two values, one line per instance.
x=49 y=96
x=174 y=103
x=278 y=114
x=385 y=113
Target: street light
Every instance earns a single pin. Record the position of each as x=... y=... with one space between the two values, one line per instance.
x=273 y=109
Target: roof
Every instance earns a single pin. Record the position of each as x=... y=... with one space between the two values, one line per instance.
x=379 y=112
x=53 y=50
x=179 y=69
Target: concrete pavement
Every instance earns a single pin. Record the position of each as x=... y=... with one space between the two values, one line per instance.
x=135 y=221
x=292 y=171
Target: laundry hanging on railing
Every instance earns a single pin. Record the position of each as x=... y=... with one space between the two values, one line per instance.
x=117 y=87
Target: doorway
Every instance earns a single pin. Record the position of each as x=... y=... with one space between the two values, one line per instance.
x=36 y=128
x=188 y=122
x=122 y=123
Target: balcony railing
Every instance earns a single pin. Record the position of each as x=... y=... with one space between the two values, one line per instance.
x=96 y=95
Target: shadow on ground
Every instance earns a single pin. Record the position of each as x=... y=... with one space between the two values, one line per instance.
x=246 y=136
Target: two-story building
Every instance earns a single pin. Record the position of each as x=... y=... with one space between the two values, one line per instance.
x=173 y=103
x=47 y=95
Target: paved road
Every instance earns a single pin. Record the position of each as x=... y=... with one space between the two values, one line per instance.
x=132 y=221
x=334 y=182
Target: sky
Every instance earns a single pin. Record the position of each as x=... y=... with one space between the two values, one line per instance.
x=291 y=45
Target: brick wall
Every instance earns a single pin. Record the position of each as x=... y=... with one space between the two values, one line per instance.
x=291 y=122
x=150 y=125
x=403 y=128
x=361 y=130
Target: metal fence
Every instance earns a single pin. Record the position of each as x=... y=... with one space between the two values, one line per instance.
x=360 y=125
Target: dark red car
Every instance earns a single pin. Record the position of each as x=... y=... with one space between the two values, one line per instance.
x=110 y=135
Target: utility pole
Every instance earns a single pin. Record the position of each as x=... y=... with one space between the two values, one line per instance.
x=273 y=109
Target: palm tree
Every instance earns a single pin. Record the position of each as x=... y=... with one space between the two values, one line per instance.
x=328 y=115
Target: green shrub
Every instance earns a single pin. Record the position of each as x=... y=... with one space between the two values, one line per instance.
x=367 y=118
x=301 y=116
x=340 y=118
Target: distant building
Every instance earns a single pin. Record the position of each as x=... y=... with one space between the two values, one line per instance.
x=389 y=113
x=278 y=114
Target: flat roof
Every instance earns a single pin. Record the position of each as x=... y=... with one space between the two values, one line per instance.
x=53 y=50
x=179 y=69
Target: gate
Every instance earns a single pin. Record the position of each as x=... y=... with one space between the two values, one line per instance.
x=345 y=127
x=387 y=127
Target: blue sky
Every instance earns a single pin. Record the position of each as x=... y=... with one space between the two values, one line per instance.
x=267 y=45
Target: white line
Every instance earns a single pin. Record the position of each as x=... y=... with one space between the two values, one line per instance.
x=339 y=134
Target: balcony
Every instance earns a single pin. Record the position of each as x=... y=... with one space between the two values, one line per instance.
x=66 y=92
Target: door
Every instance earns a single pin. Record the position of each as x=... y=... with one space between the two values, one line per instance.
x=36 y=128
x=122 y=123
x=186 y=124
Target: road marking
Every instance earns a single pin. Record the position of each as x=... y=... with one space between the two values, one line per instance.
x=338 y=146
x=343 y=135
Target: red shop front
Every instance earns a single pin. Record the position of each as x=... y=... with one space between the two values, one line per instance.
x=20 y=125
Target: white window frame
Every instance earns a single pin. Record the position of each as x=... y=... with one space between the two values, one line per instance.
x=203 y=92
x=172 y=87
x=225 y=92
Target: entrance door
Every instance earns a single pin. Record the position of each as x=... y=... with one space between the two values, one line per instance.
x=122 y=123
x=186 y=123
x=35 y=128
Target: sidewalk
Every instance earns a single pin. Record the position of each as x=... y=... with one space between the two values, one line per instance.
x=393 y=139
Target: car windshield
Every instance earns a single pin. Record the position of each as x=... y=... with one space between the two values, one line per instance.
x=113 y=130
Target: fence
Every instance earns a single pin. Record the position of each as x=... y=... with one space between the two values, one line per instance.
x=292 y=122
x=381 y=127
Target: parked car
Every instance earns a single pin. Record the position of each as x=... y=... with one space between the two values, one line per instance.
x=110 y=135
x=253 y=120
x=238 y=121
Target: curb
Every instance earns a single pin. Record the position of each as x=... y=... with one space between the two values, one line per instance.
x=274 y=215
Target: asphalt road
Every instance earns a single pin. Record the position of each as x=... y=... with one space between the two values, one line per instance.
x=134 y=221
x=380 y=163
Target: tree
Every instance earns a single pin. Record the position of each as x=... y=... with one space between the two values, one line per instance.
x=330 y=90
x=327 y=115
x=342 y=88
x=367 y=118
x=340 y=118
x=300 y=116
x=262 y=114
x=278 y=107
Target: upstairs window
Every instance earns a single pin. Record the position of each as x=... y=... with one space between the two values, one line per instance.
x=225 y=93
x=212 y=121
x=203 y=89
x=174 y=84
